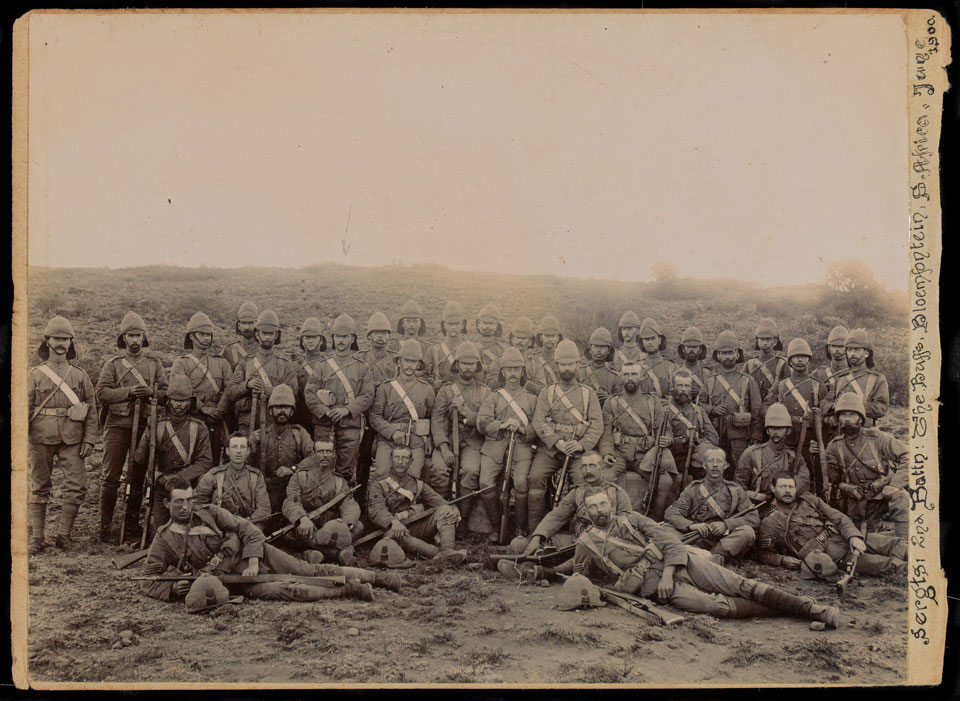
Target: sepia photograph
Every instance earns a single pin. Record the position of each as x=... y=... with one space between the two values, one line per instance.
x=413 y=348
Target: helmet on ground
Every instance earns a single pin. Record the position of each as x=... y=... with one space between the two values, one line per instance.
x=817 y=565
x=777 y=417
x=313 y=327
x=132 y=323
x=388 y=553
x=199 y=323
x=281 y=395
x=452 y=315
x=798 y=347
x=566 y=352
x=850 y=401
x=727 y=341
x=208 y=592
x=578 y=591
x=334 y=534
x=692 y=336
x=411 y=310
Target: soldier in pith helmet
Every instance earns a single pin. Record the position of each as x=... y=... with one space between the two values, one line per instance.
x=522 y=338
x=314 y=345
x=491 y=348
x=734 y=400
x=628 y=334
x=691 y=352
x=761 y=462
x=380 y=357
x=595 y=370
x=658 y=371
x=546 y=340
x=437 y=363
x=247 y=345
x=413 y=325
x=836 y=353
x=768 y=365
x=862 y=379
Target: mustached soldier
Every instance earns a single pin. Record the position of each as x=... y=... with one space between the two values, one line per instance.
x=686 y=416
x=208 y=374
x=734 y=399
x=314 y=345
x=63 y=425
x=247 y=345
x=490 y=329
x=862 y=379
x=768 y=366
x=836 y=352
x=235 y=485
x=691 y=352
x=658 y=371
x=628 y=334
x=380 y=357
x=761 y=462
x=546 y=340
x=596 y=371
x=438 y=363
x=126 y=378
x=522 y=338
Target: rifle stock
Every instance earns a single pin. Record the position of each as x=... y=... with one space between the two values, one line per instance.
x=505 y=492
x=820 y=470
x=686 y=464
x=548 y=558
x=561 y=481
x=851 y=570
x=129 y=473
x=151 y=476
x=455 y=439
x=262 y=454
x=795 y=468
x=654 y=481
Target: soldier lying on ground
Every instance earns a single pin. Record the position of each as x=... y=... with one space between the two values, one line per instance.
x=210 y=539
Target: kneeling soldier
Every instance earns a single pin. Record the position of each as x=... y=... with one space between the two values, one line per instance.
x=649 y=560
x=208 y=539
x=712 y=508
x=235 y=486
x=801 y=526
x=399 y=495
x=312 y=485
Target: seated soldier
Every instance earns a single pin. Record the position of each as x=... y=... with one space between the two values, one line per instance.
x=761 y=462
x=399 y=495
x=312 y=485
x=801 y=528
x=235 y=486
x=650 y=561
x=208 y=539
x=689 y=422
x=713 y=508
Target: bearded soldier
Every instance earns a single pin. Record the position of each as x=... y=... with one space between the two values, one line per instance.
x=522 y=338
x=631 y=430
x=339 y=395
x=692 y=351
x=260 y=372
x=761 y=462
x=628 y=334
x=734 y=399
x=867 y=468
x=279 y=445
x=401 y=412
x=413 y=325
x=650 y=560
x=686 y=416
x=129 y=377
x=381 y=359
x=63 y=425
x=713 y=509
x=438 y=362
x=490 y=329
x=767 y=366
x=547 y=339
x=314 y=345
x=208 y=374
x=313 y=484
x=464 y=395
x=829 y=374
x=596 y=371
x=803 y=529
x=658 y=371
x=568 y=421
x=235 y=485
x=247 y=346
x=504 y=413
x=862 y=379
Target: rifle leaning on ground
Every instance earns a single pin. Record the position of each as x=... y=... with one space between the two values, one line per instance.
x=686 y=464
x=561 y=481
x=654 y=480
x=318 y=581
x=795 y=468
x=262 y=448
x=455 y=439
x=505 y=492
x=638 y=606
x=280 y=532
x=851 y=569
x=135 y=429
x=413 y=518
x=820 y=470
x=146 y=506
x=254 y=400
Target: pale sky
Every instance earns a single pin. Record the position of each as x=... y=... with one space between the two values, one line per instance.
x=743 y=146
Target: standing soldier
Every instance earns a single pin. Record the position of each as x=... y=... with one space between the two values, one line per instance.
x=687 y=416
x=761 y=462
x=658 y=376
x=868 y=468
x=767 y=366
x=247 y=346
x=278 y=446
x=465 y=395
x=631 y=425
x=413 y=325
x=712 y=508
x=862 y=379
x=235 y=485
x=627 y=332
x=801 y=394
x=401 y=412
x=829 y=374
x=313 y=344
x=734 y=399
x=208 y=374
x=521 y=337
x=507 y=412
x=381 y=359
x=569 y=421
x=438 y=362
x=182 y=446
x=339 y=394
x=547 y=338
x=491 y=348
x=63 y=425
x=129 y=377
x=692 y=351
x=595 y=371
x=260 y=372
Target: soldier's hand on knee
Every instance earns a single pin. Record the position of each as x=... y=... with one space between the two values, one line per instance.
x=181 y=587
x=397 y=437
x=534 y=545
x=665 y=587
x=447 y=455
x=397 y=530
x=858 y=545
x=284 y=471
x=718 y=529
x=86 y=449
x=304 y=528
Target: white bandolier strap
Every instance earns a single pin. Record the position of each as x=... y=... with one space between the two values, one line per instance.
x=757 y=463
x=762 y=366
x=446 y=351
x=267 y=385
x=60 y=383
x=568 y=405
x=683 y=419
x=342 y=377
x=795 y=393
x=310 y=371
x=206 y=372
x=398 y=388
x=711 y=502
x=548 y=371
x=405 y=493
x=185 y=454
x=633 y=415
x=623 y=358
x=656 y=382
x=729 y=390
x=513 y=405
x=133 y=371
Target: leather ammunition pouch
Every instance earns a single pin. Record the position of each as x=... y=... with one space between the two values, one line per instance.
x=78 y=412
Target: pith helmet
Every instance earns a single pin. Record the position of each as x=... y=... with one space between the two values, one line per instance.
x=313 y=327
x=491 y=313
x=566 y=352
x=344 y=325
x=199 y=323
x=628 y=318
x=727 y=341
x=602 y=337
x=453 y=315
x=57 y=326
x=268 y=321
x=208 y=592
x=378 y=321
x=467 y=352
x=650 y=327
x=388 y=553
x=410 y=350
x=837 y=337
x=248 y=312
x=512 y=358
x=522 y=325
x=411 y=310
x=850 y=401
x=692 y=336
x=281 y=395
x=817 y=565
x=798 y=347
x=857 y=338
x=777 y=417
x=768 y=327
x=132 y=323
x=334 y=534
x=180 y=387
x=578 y=591
x=549 y=324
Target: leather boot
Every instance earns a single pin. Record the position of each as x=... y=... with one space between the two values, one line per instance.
x=37 y=516
x=68 y=514
x=520 y=510
x=491 y=504
x=358 y=590
x=744 y=608
x=388 y=580
x=415 y=546
x=108 y=501
x=536 y=508
x=901 y=529
x=801 y=606
x=448 y=544
x=347 y=557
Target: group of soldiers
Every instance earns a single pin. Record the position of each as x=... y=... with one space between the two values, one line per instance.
x=657 y=470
